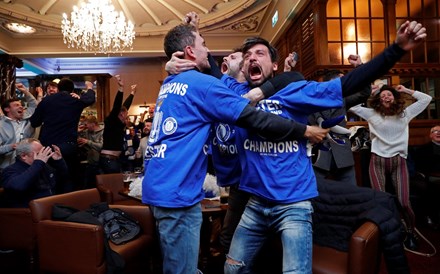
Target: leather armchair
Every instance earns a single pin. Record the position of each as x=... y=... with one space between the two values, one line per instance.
x=17 y=233
x=363 y=256
x=109 y=186
x=67 y=247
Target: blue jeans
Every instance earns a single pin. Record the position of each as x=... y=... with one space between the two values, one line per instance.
x=179 y=237
x=293 y=222
x=236 y=204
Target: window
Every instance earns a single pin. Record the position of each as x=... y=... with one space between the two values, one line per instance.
x=427 y=12
x=354 y=27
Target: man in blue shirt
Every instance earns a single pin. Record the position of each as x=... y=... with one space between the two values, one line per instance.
x=279 y=174
x=176 y=158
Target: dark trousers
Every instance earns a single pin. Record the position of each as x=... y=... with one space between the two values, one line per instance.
x=236 y=204
x=69 y=150
x=109 y=166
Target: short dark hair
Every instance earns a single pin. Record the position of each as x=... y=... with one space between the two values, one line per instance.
x=148 y=120
x=252 y=41
x=331 y=74
x=7 y=104
x=66 y=85
x=178 y=38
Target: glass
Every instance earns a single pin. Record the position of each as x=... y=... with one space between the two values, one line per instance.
x=415 y=8
x=363 y=30
x=348 y=30
x=429 y=8
x=224 y=195
x=376 y=8
x=377 y=30
x=138 y=171
x=347 y=8
x=402 y=8
x=431 y=26
x=348 y=48
x=333 y=30
x=362 y=9
x=127 y=177
x=335 y=54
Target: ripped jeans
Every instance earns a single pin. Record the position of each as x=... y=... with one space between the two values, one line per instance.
x=293 y=222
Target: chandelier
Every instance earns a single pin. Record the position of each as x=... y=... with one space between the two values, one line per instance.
x=97 y=27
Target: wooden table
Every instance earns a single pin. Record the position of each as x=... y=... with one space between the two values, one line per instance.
x=210 y=209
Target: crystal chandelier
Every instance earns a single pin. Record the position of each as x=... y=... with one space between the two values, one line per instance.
x=97 y=27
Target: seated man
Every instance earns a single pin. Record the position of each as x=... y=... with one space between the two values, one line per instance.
x=427 y=164
x=30 y=177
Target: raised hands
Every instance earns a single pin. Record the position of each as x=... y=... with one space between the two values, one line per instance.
x=22 y=88
x=354 y=60
x=89 y=85
x=192 y=18
x=56 y=155
x=133 y=89
x=44 y=154
x=40 y=91
x=290 y=61
x=119 y=79
x=403 y=89
x=410 y=35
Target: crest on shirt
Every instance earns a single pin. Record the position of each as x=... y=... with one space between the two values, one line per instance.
x=169 y=126
x=223 y=132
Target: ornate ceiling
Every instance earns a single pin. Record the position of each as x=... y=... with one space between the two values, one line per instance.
x=223 y=23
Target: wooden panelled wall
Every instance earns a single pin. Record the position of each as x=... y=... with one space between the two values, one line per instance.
x=307 y=35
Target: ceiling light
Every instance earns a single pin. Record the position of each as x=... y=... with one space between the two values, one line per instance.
x=20 y=28
x=97 y=27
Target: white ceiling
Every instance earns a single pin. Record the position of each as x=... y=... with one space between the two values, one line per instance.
x=224 y=24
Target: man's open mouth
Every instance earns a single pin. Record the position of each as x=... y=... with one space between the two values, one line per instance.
x=224 y=67
x=255 y=72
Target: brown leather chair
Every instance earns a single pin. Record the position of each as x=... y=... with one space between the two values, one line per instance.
x=363 y=256
x=109 y=186
x=17 y=233
x=67 y=247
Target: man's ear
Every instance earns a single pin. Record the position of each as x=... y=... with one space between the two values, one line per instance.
x=189 y=52
x=275 y=66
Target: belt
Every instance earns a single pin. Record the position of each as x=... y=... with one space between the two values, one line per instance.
x=108 y=156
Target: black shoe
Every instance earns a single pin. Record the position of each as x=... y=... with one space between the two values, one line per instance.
x=410 y=241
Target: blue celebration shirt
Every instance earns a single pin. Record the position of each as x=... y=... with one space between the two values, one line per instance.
x=176 y=157
x=224 y=148
x=281 y=171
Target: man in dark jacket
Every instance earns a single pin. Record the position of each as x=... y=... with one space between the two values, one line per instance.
x=114 y=129
x=30 y=177
x=336 y=162
x=58 y=115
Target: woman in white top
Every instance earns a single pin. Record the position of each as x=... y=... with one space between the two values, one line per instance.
x=388 y=121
